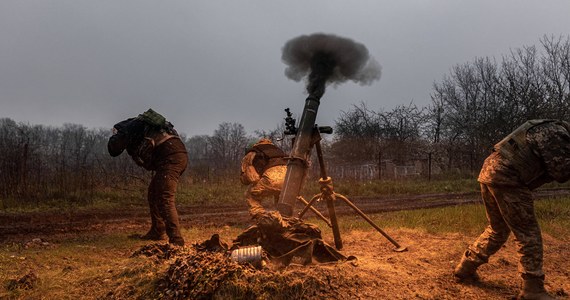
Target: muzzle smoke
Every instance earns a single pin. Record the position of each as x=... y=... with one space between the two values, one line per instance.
x=326 y=59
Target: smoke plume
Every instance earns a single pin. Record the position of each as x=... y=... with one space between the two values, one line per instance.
x=325 y=58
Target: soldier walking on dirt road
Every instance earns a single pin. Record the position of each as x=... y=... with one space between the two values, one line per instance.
x=263 y=168
x=536 y=153
x=153 y=144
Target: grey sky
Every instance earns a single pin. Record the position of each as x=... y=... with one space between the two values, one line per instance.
x=201 y=63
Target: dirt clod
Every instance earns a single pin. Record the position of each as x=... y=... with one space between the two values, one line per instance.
x=26 y=282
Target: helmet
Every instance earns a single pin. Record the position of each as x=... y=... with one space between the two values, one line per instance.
x=153 y=118
x=263 y=141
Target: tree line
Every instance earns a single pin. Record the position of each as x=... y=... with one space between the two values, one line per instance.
x=471 y=108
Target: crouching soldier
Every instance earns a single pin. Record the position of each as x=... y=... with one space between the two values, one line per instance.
x=536 y=153
x=153 y=144
x=263 y=168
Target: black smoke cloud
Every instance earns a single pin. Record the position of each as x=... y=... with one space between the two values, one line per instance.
x=325 y=58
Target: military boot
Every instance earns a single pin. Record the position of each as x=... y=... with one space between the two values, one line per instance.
x=533 y=289
x=466 y=270
x=178 y=241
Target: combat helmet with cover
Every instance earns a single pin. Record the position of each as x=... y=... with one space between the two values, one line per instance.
x=267 y=155
x=156 y=121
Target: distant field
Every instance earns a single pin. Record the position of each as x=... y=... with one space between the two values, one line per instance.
x=232 y=192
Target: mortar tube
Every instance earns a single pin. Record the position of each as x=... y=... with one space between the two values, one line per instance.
x=297 y=164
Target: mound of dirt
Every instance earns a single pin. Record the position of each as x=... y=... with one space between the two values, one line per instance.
x=213 y=275
x=207 y=271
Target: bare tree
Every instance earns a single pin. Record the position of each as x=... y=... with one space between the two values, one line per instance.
x=228 y=144
x=200 y=157
x=357 y=135
x=555 y=66
x=277 y=135
x=480 y=102
x=362 y=134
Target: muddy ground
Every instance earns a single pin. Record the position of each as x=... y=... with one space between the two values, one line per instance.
x=423 y=272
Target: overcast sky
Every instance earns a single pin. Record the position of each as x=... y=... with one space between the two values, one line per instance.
x=201 y=63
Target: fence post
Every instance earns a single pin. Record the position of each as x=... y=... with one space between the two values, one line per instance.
x=379 y=165
x=429 y=166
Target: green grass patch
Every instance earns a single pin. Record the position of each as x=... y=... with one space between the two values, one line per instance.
x=404 y=187
x=552 y=214
x=231 y=192
x=468 y=219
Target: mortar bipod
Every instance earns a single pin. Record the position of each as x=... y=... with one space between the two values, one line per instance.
x=327 y=193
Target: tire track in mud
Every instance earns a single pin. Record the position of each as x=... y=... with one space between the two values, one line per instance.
x=46 y=223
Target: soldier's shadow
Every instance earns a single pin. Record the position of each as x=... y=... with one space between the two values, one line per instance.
x=134 y=236
x=495 y=288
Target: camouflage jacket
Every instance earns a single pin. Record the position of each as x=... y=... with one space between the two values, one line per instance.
x=258 y=159
x=542 y=155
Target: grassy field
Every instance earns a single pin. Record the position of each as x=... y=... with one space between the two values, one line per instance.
x=232 y=192
x=91 y=266
x=553 y=215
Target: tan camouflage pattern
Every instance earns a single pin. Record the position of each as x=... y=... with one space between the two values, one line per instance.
x=509 y=204
x=550 y=143
x=509 y=210
x=269 y=185
x=248 y=173
x=498 y=171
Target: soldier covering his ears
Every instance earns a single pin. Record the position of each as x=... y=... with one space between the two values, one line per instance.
x=536 y=153
x=153 y=144
x=263 y=168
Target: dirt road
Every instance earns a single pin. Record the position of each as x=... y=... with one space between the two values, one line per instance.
x=85 y=220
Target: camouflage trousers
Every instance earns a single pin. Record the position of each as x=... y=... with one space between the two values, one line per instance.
x=269 y=185
x=509 y=209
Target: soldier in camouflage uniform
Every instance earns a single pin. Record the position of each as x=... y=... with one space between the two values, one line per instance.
x=536 y=153
x=263 y=168
x=153 y=144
